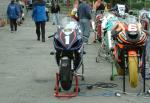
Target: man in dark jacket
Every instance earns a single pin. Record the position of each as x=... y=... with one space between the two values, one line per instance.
x=13 y=14
x=39 y=17
x=84 y=14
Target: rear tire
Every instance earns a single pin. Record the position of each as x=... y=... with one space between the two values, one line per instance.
x=66 y=74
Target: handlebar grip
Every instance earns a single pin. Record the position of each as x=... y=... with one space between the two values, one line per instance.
x=51 y=36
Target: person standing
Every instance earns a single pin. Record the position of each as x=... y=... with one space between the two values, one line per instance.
x=30 y=4
x=55 y=10
x=84 y=15
x=13 y=15
x=39 y=17
x=99 y=8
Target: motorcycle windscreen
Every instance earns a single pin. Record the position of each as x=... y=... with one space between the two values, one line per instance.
x=68 y=34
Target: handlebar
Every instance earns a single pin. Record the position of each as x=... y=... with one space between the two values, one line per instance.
x=51 y=36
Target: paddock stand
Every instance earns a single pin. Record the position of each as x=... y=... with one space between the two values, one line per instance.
x=73 y=93
x=66 y=94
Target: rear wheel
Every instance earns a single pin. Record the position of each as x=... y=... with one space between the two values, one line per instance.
x=66 y=74
x=133 y=71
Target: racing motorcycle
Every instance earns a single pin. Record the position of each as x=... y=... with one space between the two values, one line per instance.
x=108 y=21
x=128 y=50
x=69 y=47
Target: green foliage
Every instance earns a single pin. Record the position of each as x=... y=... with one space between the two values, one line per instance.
x=133 y=4
x=137 y=4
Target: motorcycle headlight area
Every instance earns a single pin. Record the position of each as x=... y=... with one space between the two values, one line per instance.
x=58 y=44
x=133 y=35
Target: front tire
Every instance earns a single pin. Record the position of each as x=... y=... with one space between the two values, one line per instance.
x=66 y=74
x=133 y=71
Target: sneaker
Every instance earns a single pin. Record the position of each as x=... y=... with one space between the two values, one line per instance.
x=38 y=38
x=12 y=31
x=43 y=40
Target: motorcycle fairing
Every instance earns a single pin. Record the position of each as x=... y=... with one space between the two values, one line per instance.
x=71 y=41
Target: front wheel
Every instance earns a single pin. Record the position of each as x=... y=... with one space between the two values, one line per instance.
x=133 y=71
x=66 y=74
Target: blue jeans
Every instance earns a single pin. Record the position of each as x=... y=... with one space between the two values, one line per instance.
x=85 y=28
x=56 y=18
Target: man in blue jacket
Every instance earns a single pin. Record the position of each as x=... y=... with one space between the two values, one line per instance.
x=39 y=17
x=13 y=14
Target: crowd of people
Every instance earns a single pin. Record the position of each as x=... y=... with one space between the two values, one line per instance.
x=40 y=15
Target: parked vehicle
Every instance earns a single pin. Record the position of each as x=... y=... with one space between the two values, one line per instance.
x=69 y=47
x=129 y=49
x=124 y=41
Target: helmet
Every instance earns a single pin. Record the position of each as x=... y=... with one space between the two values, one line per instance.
x=74 y=11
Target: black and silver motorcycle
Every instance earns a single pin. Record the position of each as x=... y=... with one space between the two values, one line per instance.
x=69 y=51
